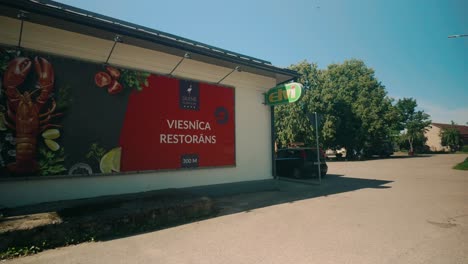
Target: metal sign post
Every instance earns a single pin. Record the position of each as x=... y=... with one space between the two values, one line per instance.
x=273 y=153
x=318 y=151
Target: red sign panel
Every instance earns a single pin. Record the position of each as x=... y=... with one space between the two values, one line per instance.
x=176 y=123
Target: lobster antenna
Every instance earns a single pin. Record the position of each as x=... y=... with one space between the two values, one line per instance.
x=33 y=92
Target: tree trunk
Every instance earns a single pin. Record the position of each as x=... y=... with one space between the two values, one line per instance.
x=411 y=150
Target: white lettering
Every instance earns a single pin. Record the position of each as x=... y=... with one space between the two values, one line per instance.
x=192 y=125
x=170 y=123
x=170 y=138
x=187 y=124
x=186 y=139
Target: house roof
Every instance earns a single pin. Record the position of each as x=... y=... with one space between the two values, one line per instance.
x=463 y=129
x=70 y=18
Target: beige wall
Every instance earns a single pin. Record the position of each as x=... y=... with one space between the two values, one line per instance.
x=433 y=139
x=253 y=149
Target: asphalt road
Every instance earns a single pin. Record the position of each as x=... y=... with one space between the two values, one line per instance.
x=399 y=210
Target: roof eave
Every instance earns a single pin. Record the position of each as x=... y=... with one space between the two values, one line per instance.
x=85 y=22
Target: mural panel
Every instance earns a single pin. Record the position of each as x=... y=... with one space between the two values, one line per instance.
x=60 y=116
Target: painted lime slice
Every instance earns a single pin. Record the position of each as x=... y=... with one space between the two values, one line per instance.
x=116 y=160
x=52 y=145
x=110 y=162
x=51 y=134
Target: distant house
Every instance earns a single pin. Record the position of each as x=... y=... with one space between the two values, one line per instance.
x=434 y=141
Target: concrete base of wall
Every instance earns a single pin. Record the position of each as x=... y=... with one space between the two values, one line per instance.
x=35 y=228
x=55 y=224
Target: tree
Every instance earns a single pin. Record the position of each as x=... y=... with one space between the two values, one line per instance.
x=357 y=113
x=291 y=122
x=413 y=123
x=418 y=141
x=451 y=137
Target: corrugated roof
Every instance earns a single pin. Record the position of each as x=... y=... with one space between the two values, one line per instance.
x=114 y=21
x=75 y=15
x=463 y=129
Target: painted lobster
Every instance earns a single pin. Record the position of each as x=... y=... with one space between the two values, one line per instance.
x=26 y=111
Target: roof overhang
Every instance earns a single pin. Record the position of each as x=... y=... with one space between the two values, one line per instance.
x=53 y=14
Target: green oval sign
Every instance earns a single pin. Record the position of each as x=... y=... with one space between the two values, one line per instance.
x=284 y=94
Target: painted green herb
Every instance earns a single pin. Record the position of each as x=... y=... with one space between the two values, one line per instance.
x=95 y=152
x=63 y=97
x=5 y=58
x=135 y=79
x=50 y=162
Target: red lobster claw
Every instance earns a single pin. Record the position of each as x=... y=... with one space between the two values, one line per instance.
x=45 y=80
x=14 y=76
x=16 y=72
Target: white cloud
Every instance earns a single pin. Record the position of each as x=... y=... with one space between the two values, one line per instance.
x=440 y=114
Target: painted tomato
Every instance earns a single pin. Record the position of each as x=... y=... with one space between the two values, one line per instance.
x=115 y=87
x=115 y=73
x=102 y=79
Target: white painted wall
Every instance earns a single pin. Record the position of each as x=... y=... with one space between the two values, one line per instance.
x=253 y=149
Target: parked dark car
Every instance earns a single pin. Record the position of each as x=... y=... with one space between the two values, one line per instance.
x=383 y=150
x=300 y=162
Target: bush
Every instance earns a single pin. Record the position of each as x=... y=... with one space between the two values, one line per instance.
x=464 y=149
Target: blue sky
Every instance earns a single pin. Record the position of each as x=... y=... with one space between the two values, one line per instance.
x=405 y=42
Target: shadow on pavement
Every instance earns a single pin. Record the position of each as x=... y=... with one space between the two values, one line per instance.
x=381 y=158
x=113 y=217
x=290 y=190
x=410 y=157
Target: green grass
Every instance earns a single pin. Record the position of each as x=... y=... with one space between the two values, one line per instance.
x=462 y=166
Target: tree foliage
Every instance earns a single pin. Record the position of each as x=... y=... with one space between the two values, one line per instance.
x=451 y=138
x=418 y=141
x=291 y=122
x=357 y=113
x=413 y=123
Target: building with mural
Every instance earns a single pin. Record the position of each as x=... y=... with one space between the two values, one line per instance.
x=91 y=106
